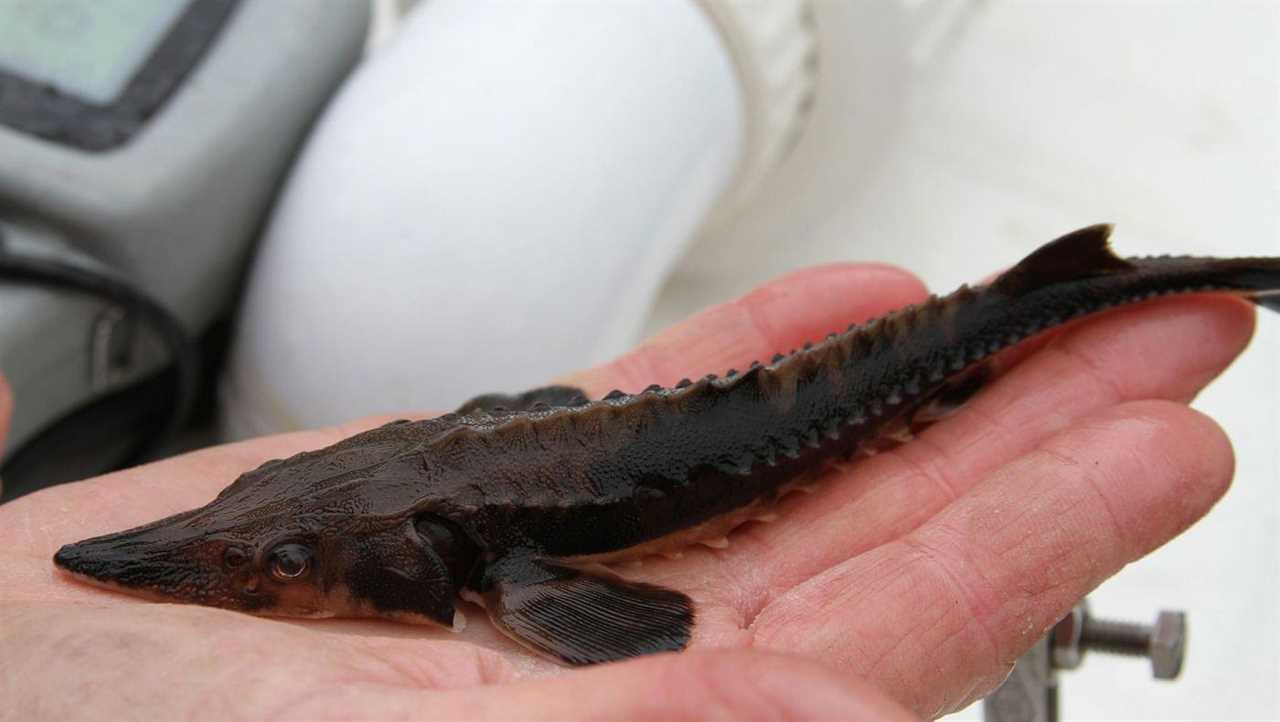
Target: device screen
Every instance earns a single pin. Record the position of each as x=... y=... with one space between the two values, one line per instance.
x=86 y=48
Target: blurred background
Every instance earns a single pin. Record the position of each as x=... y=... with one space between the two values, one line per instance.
x=328 y=210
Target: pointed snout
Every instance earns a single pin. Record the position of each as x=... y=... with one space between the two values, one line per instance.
x=154 y=559
x=75 y=559
x=99 y=560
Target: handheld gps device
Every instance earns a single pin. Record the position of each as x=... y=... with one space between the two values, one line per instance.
x=141 y=142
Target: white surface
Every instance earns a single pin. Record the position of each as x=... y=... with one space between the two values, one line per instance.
x=493 y=200
x=1030 y=120
x=774 y=49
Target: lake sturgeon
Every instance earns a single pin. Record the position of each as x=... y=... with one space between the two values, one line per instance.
x=510 y=499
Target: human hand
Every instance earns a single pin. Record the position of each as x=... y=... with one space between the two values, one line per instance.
x=926 y=570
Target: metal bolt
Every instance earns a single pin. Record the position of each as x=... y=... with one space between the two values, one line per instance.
x=1164 y=643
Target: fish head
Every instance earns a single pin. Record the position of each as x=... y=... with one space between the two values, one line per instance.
x=285 y=562
x=267 y=565
x=332 y=532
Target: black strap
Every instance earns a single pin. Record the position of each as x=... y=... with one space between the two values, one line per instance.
x=57 y=273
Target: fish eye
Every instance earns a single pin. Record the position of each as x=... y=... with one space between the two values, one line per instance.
x=234 y=557
x=290 y=562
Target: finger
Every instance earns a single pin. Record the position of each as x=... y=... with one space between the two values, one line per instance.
x=6 y=409
x=974 y=587
x=739 y=685
x=777 y=317
x=1122 y=356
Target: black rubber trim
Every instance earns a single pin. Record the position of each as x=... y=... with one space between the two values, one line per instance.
x=48 y=272
x=44 y=111
x=108 y=433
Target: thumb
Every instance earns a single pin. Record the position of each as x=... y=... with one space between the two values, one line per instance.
x=720 y=685
x=716 y=685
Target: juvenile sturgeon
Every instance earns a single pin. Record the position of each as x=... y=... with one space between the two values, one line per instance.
x=504 y=499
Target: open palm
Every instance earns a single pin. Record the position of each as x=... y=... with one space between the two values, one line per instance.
x=920 y=573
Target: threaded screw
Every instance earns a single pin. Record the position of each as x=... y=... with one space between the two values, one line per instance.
x=1164 y=642
x=1105 y=635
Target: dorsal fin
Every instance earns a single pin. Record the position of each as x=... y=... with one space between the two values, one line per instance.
x=1080 y=254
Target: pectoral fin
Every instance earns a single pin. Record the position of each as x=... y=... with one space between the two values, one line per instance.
x=584 y=617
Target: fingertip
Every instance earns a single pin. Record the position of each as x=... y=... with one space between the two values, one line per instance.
x=846 y=283
x=814 y=301
x=1227 y=322
x=1207 y=330
x=1156 y=467
x=843 y=272
x=1189 y=456
x=1219 y=457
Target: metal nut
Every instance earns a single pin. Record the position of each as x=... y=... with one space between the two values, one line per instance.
x=1168 y=644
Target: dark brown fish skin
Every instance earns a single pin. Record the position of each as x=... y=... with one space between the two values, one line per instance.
x=455 y=498
x=616 y=473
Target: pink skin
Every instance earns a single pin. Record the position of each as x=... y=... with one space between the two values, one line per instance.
x=6 y=408
x=916 y=576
